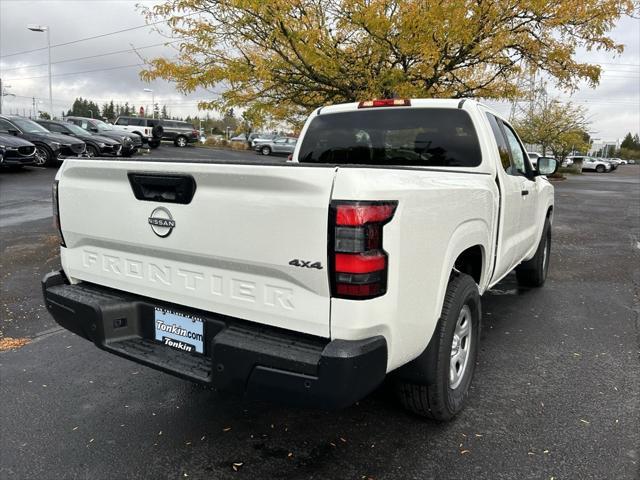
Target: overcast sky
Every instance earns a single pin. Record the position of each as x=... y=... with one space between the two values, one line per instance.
x=614 y=106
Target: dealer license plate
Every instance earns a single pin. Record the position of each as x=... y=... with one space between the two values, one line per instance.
x=179 y=331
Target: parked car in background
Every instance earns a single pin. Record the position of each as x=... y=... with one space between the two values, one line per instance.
x=616 y=161
x=50 y=147
x=97 y=145
x=131 y=142
x=243 y=137
x=15 y=152
x=280 y=145
x=590 y=163
x=567 y=162
x=150 y=130
x=263 y=138
x=180 y=133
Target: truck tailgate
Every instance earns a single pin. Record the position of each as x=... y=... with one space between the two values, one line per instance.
x=231 y=246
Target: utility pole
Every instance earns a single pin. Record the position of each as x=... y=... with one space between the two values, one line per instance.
x=3 y=93
x=34 y=108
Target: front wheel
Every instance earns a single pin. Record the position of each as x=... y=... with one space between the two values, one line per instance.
x=44 y=156
x=181 y=142
x=265 y=151
x=92 y=151
x=600 y=169
x=448 y=363
x=533 y=273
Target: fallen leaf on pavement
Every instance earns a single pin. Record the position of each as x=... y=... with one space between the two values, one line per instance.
x=9 y=343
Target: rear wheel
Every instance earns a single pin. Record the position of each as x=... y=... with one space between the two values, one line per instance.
x=154 y=143
x=600 y=168
x=448 y=364
x=181 y=141
x=265 y=150
x=533 y=273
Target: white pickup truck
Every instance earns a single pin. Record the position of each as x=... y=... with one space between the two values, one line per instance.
x=311 y=281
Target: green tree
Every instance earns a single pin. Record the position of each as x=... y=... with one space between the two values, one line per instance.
x=44 y=116
x=627 y=142
x=552 y=125
x=290 y=56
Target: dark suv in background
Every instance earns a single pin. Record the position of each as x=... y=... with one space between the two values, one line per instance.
x=180 y=133
x=131 y=142
x=97 y=145
x=50 y=147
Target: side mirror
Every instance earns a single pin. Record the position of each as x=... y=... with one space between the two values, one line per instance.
x=93 y=129
x=547 y=166
x=13 y=131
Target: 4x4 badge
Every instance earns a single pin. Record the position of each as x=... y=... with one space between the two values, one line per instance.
x=161 y=221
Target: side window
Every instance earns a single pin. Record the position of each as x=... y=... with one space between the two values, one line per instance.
x=137 y=122
x=85 y=124
x=5 y=126
x=517 y=152
x=121 y=121
x=503 y=148
x=280 y=140
x=52 y=127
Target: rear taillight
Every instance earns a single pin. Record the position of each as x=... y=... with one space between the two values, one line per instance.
x=358 y=262
x=56 y=212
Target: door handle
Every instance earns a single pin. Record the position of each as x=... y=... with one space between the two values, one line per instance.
x=525 y=192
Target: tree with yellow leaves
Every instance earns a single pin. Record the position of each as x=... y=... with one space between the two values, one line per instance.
x=286 y=57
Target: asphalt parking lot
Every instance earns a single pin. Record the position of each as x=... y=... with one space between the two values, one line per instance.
x=556 y=392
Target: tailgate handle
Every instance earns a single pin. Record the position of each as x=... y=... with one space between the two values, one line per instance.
x=163 y=188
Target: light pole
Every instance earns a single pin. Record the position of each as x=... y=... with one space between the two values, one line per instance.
x=153 y=102
x=46 y=28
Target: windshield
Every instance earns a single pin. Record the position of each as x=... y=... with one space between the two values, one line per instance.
x=75 y=129
x=29 y=126
x=102 y=126
x=433 y=137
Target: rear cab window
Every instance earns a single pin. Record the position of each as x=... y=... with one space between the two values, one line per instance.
x=425 y=137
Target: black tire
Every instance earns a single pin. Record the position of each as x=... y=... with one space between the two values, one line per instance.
x=600 y=168
x=92 y=151
x=44 y=156
x=157 y=131
x=434 y=397
x=533 y=273
x=154 y=143
x=181 y=141
x=265 y=150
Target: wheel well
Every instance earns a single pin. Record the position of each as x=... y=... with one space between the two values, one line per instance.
x=470 y=262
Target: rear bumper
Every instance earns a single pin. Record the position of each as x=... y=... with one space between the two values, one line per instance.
x=263 y=362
